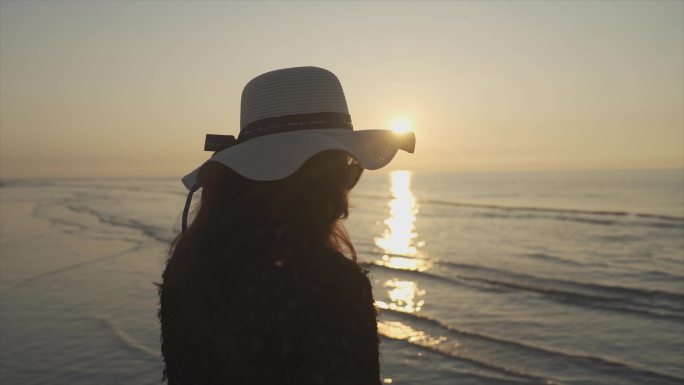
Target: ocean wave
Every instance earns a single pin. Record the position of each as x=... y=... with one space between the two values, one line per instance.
x=148 y=230
x=643 y=302
x=124 y=340
x=609 y=213
x=73 y=266
x=451 y=348
x=648 y=296
x=562 y=261
x=574 y=364
x=605 y=217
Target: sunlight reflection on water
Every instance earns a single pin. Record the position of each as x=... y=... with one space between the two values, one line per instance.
x=403 y=296
x=400 y=331
x=399 y=236
x=400 y=245
x=399 y=240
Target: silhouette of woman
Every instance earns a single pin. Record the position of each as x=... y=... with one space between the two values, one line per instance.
x=257 y=289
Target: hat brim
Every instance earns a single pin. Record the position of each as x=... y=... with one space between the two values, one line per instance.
x=276 y=156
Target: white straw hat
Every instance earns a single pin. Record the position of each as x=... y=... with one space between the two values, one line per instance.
x=289 y=115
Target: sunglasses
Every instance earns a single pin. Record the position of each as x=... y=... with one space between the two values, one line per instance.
x=354 y=172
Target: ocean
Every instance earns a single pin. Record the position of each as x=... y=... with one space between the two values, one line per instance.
x=481 y=278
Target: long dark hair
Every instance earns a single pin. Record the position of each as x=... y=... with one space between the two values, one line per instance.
x=239 y=226
x=235 y=213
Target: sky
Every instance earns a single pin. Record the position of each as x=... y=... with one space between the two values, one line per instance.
x=130 y=88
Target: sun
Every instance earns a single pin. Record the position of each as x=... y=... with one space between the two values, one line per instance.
x=401 y=124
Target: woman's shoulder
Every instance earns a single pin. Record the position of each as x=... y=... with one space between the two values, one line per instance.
x=334 y=268
x=334 y=282
x=302 y=279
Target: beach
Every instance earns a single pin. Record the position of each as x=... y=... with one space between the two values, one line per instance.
x=569 y=277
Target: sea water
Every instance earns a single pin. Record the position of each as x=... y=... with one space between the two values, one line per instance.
x=481 y=278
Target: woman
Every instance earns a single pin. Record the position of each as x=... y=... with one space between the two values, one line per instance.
x=257 y=289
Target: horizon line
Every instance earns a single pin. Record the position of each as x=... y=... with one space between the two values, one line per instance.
x=385 y=170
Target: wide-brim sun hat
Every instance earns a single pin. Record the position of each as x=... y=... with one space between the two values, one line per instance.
x=286 y=117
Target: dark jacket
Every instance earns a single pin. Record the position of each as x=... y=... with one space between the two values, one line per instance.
x=304 y=318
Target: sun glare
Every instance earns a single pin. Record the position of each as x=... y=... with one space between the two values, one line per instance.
x=401 y=124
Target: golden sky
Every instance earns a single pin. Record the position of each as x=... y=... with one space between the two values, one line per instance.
x=129 y=88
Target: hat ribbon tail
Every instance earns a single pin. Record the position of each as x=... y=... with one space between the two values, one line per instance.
x=186 y=209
